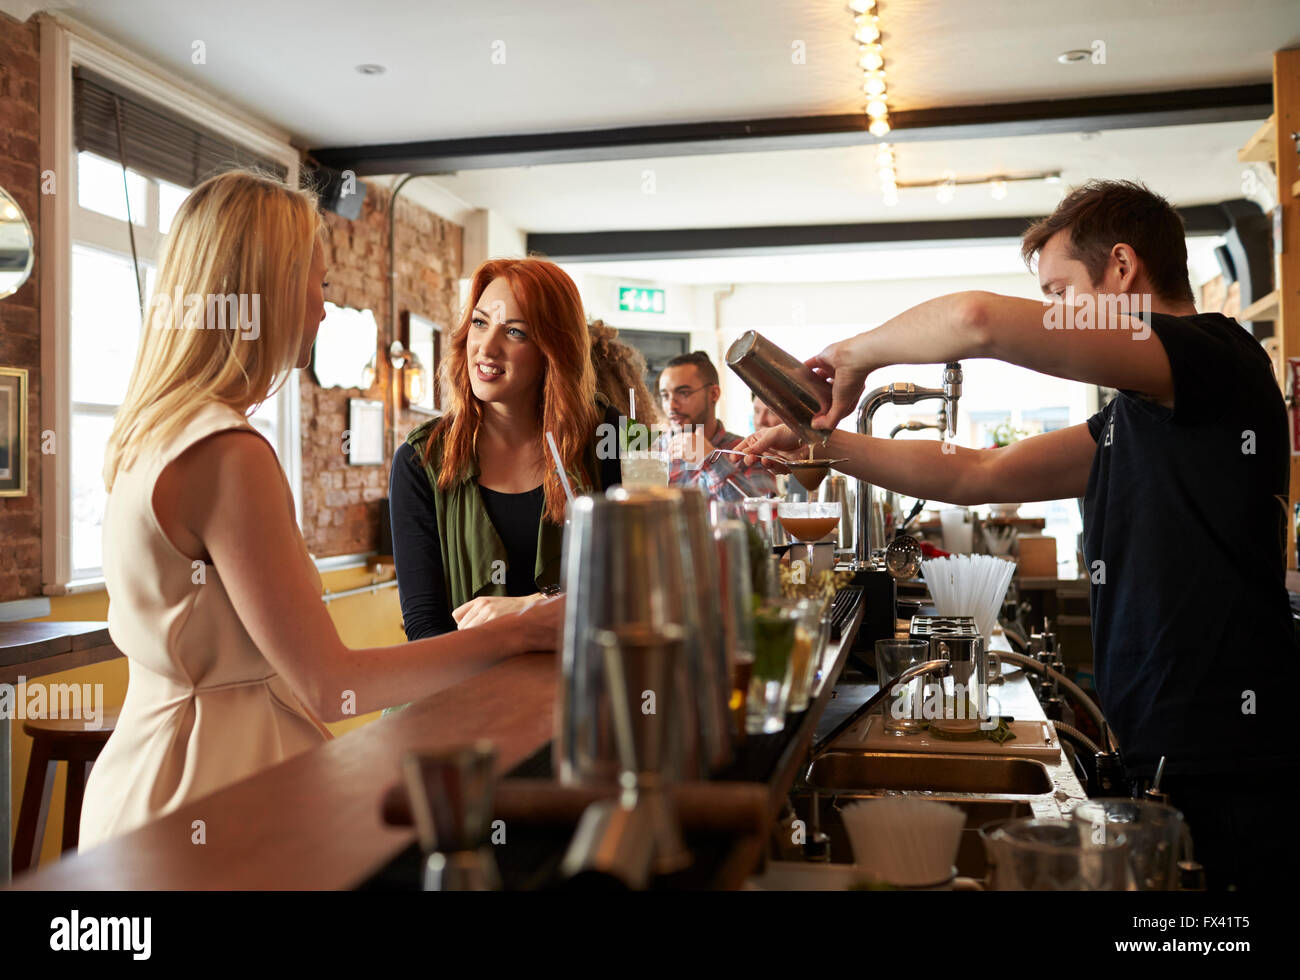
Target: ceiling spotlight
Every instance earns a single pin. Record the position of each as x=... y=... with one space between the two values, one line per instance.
x=885 y=158
x=998 y=189
x=873 y=58
x=890 y=198
x=865 y=29
x=1053 y=178
x=371 y=69
x=877 y=108
x=875 y=83
x=878 y=127
x=1075 y=56
x=862 y=6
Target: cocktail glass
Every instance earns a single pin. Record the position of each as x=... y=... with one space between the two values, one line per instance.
x=809 y=520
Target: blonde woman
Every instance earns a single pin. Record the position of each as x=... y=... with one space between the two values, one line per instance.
x=214 y=600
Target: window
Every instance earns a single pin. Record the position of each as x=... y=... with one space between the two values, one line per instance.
x=91 y=333
x=104 y=330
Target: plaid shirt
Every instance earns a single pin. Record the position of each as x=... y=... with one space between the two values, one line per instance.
x=727 y=477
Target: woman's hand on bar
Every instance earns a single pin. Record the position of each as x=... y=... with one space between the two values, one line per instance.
x=486 y=608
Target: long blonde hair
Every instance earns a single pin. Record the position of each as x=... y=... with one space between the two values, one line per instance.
x=237 y=234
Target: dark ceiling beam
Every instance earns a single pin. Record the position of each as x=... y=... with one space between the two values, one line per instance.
x=1109 y=112
x=680 y=243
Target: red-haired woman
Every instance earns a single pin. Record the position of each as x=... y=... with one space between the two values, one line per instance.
x=476 y=503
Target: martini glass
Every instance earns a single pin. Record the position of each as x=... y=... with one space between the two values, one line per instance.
x=809 y=520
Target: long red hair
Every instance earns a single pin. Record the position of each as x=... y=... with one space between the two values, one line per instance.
x=566 y=394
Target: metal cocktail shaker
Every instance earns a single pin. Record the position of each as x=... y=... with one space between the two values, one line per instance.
x=636 y=577
x=785 y=385
x=451 y=802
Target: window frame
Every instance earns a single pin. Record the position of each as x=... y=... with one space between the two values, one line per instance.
x=65 y=44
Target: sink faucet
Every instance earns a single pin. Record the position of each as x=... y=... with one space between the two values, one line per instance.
x=939 y=668
x=940 y=423
x=898 y=393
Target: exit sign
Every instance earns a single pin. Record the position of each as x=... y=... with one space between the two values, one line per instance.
x=637 y=300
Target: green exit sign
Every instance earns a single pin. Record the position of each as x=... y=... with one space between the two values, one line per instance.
x=637 y=300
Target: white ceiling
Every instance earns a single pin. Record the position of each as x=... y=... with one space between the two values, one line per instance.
x=575 y=64
x=581 y=64
x=1188 y=164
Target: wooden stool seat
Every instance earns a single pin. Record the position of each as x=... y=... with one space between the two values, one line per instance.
x=56 y=740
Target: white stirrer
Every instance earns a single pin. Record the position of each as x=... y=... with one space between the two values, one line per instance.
x=559 y=467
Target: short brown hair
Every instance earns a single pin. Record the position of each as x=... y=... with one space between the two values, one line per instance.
x=1101 y=214
x=701 y=360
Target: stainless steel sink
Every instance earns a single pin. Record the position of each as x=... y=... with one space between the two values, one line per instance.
x=984 y=787
x=872 y=773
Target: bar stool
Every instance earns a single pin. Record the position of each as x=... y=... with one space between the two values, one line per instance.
x=53 y=741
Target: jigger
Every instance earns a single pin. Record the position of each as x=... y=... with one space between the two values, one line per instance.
x=625 y=840
x=451 y=803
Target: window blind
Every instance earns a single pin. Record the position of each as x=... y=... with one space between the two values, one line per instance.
x=157 y=143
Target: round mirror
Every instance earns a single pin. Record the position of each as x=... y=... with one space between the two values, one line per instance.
x=15 y=246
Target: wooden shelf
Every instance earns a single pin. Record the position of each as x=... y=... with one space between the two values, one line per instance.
x=1264 y=308
x=1261 y=147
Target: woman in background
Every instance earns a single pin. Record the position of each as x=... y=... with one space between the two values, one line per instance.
x=619 y=368
x=476 y=502
x=234 y=660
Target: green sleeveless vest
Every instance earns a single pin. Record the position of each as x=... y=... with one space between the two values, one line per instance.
x=471 y=549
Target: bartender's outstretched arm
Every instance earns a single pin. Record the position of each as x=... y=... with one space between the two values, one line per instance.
x=979 y=324
x=1118 y=352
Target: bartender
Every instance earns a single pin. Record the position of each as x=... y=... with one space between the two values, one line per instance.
x=1185 y=480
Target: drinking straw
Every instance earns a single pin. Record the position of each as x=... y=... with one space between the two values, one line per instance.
x=559 y=467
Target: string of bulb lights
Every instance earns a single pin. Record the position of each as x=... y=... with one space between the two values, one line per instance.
x=871 y=59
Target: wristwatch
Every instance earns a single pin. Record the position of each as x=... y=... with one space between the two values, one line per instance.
x=551 y=590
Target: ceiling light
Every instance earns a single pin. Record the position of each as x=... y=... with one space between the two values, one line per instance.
x=890 y=198
x=873 y=58
x=877 y=108
x=875 y=83
x=1053 y=178
x=861 y=6
x=371 y=69
x=878 y=127
x=865 y=29
x=885 y=158
x=1074 y=57
x=998 y=189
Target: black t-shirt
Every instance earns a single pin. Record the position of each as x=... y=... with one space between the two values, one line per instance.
x=517 y=516
x=1185 y=523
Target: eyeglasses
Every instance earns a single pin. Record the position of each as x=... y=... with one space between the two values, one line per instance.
x=680 y=394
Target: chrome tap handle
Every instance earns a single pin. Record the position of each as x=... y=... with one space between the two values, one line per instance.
x=952 y=378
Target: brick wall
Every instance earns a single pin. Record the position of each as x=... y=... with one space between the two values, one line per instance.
x=341 y=502
x=20 y=330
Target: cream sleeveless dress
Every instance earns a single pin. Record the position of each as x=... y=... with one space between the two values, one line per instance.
x=203 y=707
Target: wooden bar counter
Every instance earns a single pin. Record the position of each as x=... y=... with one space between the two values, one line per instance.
x=317 y=821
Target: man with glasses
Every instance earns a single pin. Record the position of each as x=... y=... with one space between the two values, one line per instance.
x=689 y=393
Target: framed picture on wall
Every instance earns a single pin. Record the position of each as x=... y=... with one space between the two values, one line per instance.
x=423 y=338
x=13 y=432
x=365 y=432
